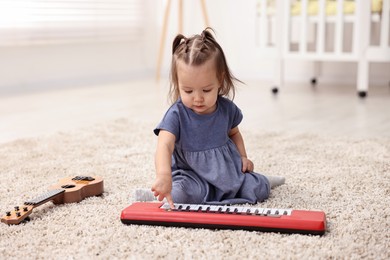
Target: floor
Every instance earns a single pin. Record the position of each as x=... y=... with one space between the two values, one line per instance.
x=298 y=108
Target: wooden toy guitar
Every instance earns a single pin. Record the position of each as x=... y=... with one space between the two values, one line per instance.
x=67 y=190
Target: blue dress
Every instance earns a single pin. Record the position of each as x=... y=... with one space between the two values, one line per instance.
x=206 y=164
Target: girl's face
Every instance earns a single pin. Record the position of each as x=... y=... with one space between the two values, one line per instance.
x=198 y=86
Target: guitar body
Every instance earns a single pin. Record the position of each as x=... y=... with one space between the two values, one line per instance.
x=67 y=190
x=77 y=190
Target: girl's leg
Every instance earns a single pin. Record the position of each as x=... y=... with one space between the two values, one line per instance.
x=187 y=187
x=255 y=188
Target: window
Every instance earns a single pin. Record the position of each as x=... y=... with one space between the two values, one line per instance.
x=26 y=22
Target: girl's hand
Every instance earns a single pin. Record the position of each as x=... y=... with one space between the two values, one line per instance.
x=162 y=188
x=247 y=165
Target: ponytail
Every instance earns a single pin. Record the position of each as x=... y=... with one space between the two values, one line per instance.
x=177 y=41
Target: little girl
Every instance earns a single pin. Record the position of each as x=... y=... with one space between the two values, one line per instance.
x=201 y=157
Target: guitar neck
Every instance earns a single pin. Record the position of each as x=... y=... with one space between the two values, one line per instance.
x=42 y=199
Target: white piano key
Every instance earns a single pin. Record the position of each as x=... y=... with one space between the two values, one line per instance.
x=186 y=207
x=166 y=206
x=220 y=209
x=260 y=211
x=214 y=208
x=182 y=207
x=224 y=209
x=240 y=210
x=205 y=208
x=254 y=211
x=194 y=207
x=200 y=207
x=245 y=210
x=286 y=212
x=234 y=210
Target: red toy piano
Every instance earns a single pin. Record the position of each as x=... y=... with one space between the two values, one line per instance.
x=225 y=217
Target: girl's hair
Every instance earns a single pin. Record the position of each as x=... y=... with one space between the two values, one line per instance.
x=195 y=51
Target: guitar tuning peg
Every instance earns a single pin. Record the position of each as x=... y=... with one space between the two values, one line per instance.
x=8 y=213
x=16 y=208
x=18 y=214
x=25 y=209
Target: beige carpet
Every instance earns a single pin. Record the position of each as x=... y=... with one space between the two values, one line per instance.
x=349 y=179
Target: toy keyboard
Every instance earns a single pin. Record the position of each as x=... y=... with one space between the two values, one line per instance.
x=225 y=217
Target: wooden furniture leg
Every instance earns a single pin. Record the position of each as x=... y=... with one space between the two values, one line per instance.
x=162 y=40
x=180 y=29
x=204 y=11
x=180 y=16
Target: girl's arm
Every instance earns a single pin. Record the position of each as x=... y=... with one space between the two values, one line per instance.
x=235 y=135
x=162 y=186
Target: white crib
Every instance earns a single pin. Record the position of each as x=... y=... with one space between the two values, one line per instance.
x=325 y=30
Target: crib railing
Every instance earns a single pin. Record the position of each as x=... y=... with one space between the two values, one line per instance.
x=321 y=36
x=377 y=52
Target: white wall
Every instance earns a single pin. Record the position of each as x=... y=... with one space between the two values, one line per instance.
x=39 y=66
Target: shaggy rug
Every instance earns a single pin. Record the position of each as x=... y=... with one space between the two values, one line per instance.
x=348 y=178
